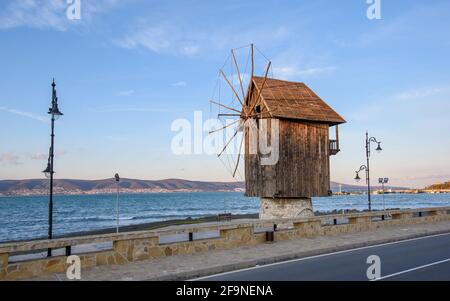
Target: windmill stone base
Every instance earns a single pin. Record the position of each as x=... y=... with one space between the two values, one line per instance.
x=274 y=208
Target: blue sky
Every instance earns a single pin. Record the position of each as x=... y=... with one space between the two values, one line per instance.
x=127 y=69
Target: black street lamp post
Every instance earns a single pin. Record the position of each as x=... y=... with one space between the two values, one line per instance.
x=117 y=177
x=49 y=171
x=366 y=167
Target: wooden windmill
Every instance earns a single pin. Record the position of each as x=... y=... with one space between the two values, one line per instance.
x=292 y=116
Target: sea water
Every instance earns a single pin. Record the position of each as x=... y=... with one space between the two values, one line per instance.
x=26 y=217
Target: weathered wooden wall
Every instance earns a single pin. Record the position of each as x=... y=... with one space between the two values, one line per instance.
x=303 y=168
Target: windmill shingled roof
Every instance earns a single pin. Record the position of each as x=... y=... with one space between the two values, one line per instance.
x=293 y=100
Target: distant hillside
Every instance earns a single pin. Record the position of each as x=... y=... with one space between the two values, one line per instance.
x=40 y=186
x=67 y=186
x=439 y=186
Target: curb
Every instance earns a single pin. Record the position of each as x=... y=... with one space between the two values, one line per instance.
x=285 y=257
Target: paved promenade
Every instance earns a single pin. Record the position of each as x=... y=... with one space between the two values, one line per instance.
x=183 y=267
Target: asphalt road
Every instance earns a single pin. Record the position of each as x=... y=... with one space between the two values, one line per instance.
x=426 y=258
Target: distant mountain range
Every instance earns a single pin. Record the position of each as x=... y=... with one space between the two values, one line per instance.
x=67 y=186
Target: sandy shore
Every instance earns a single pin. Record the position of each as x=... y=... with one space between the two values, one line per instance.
x=156 y=225
x=162 y=224
x=186 y=221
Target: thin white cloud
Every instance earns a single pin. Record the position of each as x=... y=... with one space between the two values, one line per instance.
x=50 y=14
x=433 y=15
x=60 y=153
x=234 y=80
x=142 y=110
x=159 y=39
x=126 y=93
x=163 y=37
x=245 y=77
x=291 y=72
x=25 y=114
x=35 y=13
x=264 y=37
x=9 y=159
x=44 y=156
x=439 y=177
x=433 y=95
x=179 y=84
x=190 y=50
x=39 y=156
x=116 y=138
x=422 y=92
x=129 y=109
x=368 y=111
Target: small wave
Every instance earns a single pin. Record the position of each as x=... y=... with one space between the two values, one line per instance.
x=86 y=219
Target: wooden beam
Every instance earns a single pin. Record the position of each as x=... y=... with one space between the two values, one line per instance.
x=239 y=74
x=219 y=104
x=226 y=145
x=250 y=82
x=231 y=86
x=260 y=113
x=337 y=136
x=239 y=156
x=253 y=62
x=262 y=87
x=226 y=126
x=229 y=115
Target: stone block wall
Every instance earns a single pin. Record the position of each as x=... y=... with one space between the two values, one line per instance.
x=275 y=208
x=137 y=246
